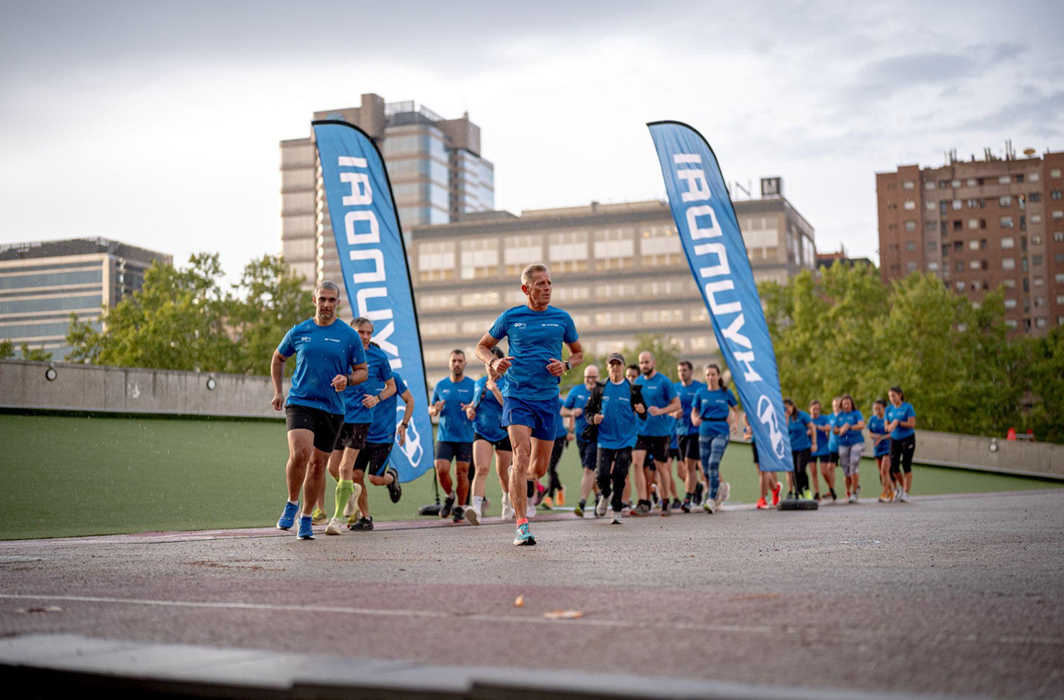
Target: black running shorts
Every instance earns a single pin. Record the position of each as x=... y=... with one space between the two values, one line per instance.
x=657 y=447
x=373 y=458
x=458 y=451
x=689 y=447
x=500 y=445
x=325 y=426
x=352 y=436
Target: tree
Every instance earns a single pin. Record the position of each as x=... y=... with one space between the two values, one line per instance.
x=7 y=349
x=1045 y=370
x=666 y=353
x=34 y=354
x=272 y=302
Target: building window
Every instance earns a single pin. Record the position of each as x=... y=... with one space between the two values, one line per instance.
x=1009 y=284
x=1004 y=179
x=1036 y=218
x=1059 y=279
x=1008 y=263
x=1006 y=222
x=932 y=266
x=929 y=185
x=1058 y=215
x=1039 y=302
x=1008 y=242
x=1005 y=200
x=567 y=293
x=973 y=223
x=910 y=246
x=436 y=260
x=1055 y=172
x=973 y=245
x=1010 y=303
x=957 y=205
x=1058 y=236
x=1038 y=281
x=614 y=248
x=959 y=266
x=910 y=266
x=908 y=185
x=520 y=251
x=1034 y=197
x=1036 y=260
x=930 y=227
x=616 y=291
x=568 y=252
x=970 y=182
x=955 y=183
x=1032 y=177
x=958 y=225
x=909 y=205
x=959 y=286
x=1054 y=194
x=660 y=246
x=929 y=205
x=480 y=258
x=1040 y=321
x=475 y=299
x=974 y=264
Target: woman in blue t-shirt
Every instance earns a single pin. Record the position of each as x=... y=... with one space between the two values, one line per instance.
x=901 y=422
x=877 y=428
x=802 y=431
x=712 y=411
x=821 y=454
x=849 y=423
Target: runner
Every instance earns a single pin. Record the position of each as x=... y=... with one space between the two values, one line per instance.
x=652 y=445
x=358 y=414
x=877 y=428
x=849 y=424
x=489 y=435
x=631 y=373
x=713 y=412
x=822 y=453
x=767 y=481
x=802 y=431
x=901 y=421
x=562 y=436
x=454 y=436
x=329 y=357
x=612 y=408
x=833 y=446
x=687 y=432
x=536 y=333
x=573 y=409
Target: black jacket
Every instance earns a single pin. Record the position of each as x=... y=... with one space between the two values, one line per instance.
x=594 y=406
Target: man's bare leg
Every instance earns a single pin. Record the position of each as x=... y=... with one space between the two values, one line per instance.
x=520 y=473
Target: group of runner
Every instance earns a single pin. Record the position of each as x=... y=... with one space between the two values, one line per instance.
x=630 y=428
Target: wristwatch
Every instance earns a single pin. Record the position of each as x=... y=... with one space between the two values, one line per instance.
x=568 y=366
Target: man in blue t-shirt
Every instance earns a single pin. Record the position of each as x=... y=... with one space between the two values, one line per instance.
x=329 y=358
x=454 y=436
x=616 y=408
x=536 y=333
x=687 y=434
x=573 y=410
x=489 y=436
x=651 y=453
x=358 y=411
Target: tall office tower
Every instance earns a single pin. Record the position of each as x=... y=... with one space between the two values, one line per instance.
x=619 y=269
x=42 y=283
x=434 y=164
x=981 y=224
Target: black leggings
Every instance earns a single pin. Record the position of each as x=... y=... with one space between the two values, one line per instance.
x=612 y=471
x=801 y=478
x=555 y=455
x=901 y=454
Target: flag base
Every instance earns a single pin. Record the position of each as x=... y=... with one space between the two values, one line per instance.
x=798 y=504
x=432 y=510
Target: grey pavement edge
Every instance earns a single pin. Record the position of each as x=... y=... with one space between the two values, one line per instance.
x=55 y=665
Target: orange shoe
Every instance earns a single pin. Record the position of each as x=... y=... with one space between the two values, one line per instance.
x=559 y=497
x=762 y=504
x=776 y=494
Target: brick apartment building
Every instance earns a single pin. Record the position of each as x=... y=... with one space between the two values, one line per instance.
x=979 y=224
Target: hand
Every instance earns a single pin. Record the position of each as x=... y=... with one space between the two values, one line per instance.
x=654 y=411
x=438 y=407
x=747 y=434
x=556 y=367
x=577 y=412
x=490 y=384
x=401 y=432
x=503 y=364
x=278 y=401
x=596 y=419
x=339 y=382
x=640 y=408
x=470 y=412
x=569 y=437
x=370 y=401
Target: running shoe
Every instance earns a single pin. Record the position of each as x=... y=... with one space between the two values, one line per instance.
x=666 y=511
x=600 y=507
x=776 y=494
x=807 y=495
x=334 y=527
x=699 y=489
x=319 y=516
x=351 y=508
x=834 y=498
x=884 y=497
x=852 y=498
x=288 y=517
x=676 y=504
x=507 y=509
x=472 y=515
x=448 y=504
x=816 y=497
x=539 y=494
x=560 y=497
x=762 y=504
x=722 y=493
x=524 y=536
x=547 y=503
x=904 y=498
x=306 y=528
x=395 y=489
x=790 y=496
x=579 y=510
x=530 y=510
x=458 y=514
x=615 y=517
x=685 y=506
x=709 y=506
x=362 y=524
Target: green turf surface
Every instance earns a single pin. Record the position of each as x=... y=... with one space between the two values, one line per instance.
x=64 y=476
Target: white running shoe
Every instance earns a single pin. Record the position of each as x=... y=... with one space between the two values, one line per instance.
x=904 y=498
x=722 y=493
x=852 y=498
x=472 y=516
x=351 y=507
x=507 y=508
x=334 y=527
x=530 y=510
x=600 y=507
x=710 y=506
x=615 y=517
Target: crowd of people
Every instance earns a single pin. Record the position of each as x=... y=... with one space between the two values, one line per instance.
x=640 y=436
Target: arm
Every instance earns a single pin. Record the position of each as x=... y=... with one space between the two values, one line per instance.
x=408 y=399
x=359 y=373
x=811 y=430
x=384 y=395
x=696 y=417
x=495 y=390
x=909 y=422
x=277 y=374
x=483 y=353
x=557 y=367
x=674 y=405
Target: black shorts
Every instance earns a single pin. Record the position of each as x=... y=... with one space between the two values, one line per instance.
x=325 y=426
x=500 y=445
x=588 y=454
x=753 y=445
x=352 y=436
x=373 y=458
x=824 y=459
x=657 y=447
x=674 y=453
x=833 y=458
x=458 y=451
x=689 y=447
x=901 y=454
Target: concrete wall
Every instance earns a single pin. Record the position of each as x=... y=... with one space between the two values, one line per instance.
x=1041 y=459
x=113 y=389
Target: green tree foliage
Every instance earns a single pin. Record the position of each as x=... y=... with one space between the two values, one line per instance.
x=34 y=354
x=184 y=319
x=7 y=349
x=665 y=349
x=1045 y=369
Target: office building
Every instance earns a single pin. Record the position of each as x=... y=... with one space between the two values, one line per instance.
x=978 y=225
x=619 y=269
x=43 y=283
x=434 y=164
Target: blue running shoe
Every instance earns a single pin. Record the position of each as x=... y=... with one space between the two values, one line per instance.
x=288 y=517
x=524 y=536
x=306 y=528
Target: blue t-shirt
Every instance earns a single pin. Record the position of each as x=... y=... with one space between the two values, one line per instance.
x=878 y=426
x=796 y=427
x=455 y=426
x=618 y=426
x=822 y=448
x=674 y=442
x=322 y=352
x=380 y=371
x=833 y=439
x=900 y=413
x=657 y=391
x=488 y=423
x=577 y=398
x=535 y=338
x=714 y=407
x=385 y=414
x=687 y=399
x=850 y=418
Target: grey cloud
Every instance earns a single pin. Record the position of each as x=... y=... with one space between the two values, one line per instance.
x=1039 y=112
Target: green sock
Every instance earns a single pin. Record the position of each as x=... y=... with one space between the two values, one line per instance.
x=343 y=492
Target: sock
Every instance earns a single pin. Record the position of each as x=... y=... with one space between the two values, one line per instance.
x=522 y=521
x=293 y=503
x=478 y=501
x=583 y=502
x=344 y=489
x=449 y=495
x=531 y=489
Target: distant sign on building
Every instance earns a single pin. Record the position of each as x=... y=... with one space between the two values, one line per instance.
x=771 y=187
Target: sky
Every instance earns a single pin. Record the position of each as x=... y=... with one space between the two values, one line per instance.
x=157 y=124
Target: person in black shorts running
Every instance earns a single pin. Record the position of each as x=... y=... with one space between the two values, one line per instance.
x=454 y=436
x=652 y=444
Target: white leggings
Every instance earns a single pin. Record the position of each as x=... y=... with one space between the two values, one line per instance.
x=850 y=458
